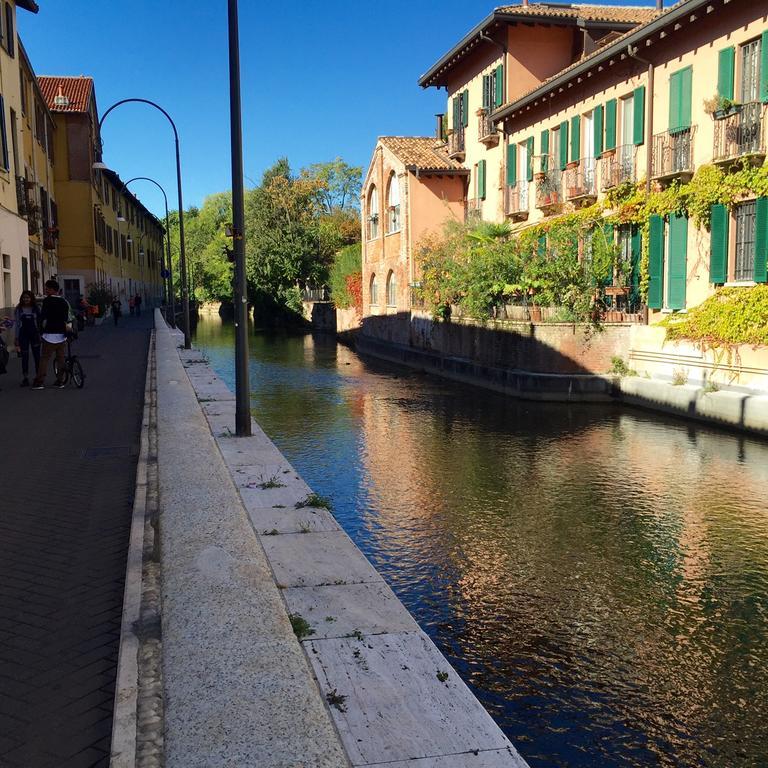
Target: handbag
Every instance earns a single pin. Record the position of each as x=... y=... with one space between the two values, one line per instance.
x=4 y=357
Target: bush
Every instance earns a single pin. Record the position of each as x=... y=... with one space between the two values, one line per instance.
x=347 y=263
x=99 y=295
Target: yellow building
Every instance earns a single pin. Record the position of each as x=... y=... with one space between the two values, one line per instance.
x=106 y=235
x=14 y=234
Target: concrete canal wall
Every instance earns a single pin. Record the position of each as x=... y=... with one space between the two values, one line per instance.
x=245 y=544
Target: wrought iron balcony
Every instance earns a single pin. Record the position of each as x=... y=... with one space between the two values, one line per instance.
x=581 y=181
x=673 y=154
x=549 y=187
x=486 y=130
x=618 y=168
x=741 y=133
x=516 y=200
x=456 y=149
x=21 y=196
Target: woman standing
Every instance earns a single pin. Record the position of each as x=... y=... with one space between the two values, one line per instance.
x=27 y=325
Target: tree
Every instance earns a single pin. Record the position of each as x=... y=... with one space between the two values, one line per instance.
x=340 y=184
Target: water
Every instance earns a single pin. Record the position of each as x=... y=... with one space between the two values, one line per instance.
x=598 y=576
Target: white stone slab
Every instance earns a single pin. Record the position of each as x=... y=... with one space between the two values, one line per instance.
x=338 y=611
x=396 y=707
x=314 y=559
x=495 y=758
x=288 y=520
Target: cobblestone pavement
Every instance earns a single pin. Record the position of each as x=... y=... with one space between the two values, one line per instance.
x=66 y=490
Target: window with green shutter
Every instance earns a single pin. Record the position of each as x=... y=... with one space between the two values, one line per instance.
x=481 y=179
x=575 y=138
x=486 y=91
x=638 y=127
x=764 y=67
x=610 y=124
x=465 y=109
x=544 y=151
x=680 y=84
x=677 y=261
x=563 y=145
x=597 y=127
x=5 y=158
x=499 y=85
x=608 y=234
x=726 y=61
x=456 y=113
x=529 y=169
x=636 y=255
x=655 y=261
x=541 y=246
x=718 y=256
x=761 y=240
x=511 y=164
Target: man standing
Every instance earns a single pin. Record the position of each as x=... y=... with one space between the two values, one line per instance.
x=137 y=304
x=54 y=317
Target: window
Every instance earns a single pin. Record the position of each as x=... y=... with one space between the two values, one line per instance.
x=23 y=85
x=750 y=72
x=4 y=157
x=24 y=273
x=10 y=36
x=744 y=268
x=393 y=205
x=373 y=214
x=374 y=290
x=391 y=290
x=7 y=298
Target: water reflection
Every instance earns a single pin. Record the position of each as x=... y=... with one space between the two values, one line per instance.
x=598 y=576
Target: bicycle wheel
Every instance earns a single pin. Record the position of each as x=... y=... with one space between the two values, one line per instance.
x=78 y=375
x=64 y=375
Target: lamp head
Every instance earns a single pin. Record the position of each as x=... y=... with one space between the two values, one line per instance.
x=121 y=218
x=100 y=166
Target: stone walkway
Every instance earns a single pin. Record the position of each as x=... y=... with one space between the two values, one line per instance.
x=66 y=490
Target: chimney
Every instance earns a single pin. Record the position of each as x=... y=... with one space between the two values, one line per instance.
x=525 y=3
x=439 y=127
x=659 y=5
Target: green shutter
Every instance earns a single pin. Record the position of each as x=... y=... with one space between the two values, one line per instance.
x=761 y=239
x=655 y=261
x=680 y=100
x=608 y=233
x=481 y=179
x=499 y=85
x=685 y=95
x=725 y=67
x=718 y=256
x=511 y=164
x=529 y=169
x=4 y=138
x=610 y=124
x=677 y=261
x=597 y=124
x=674 y=101
x=544 y=151
x=575 y=138
x=763 y=96
x=465 y=109
x=638 y=127
x=486 y=91
x=456 y=114
x=563 y=145
x=541 y=246
x=634 y=275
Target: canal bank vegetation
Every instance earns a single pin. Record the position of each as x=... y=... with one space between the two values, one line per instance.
x=295 y=223
x=346 y=278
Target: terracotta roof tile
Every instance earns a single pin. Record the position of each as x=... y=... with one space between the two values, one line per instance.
x=619 y=14
x=424 y=153
x=66 y=94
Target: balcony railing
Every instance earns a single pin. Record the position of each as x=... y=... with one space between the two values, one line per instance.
x=549 y=187
x=21 y=195
x=673 y=154
x=486 y=130
x=474 y=209
x=618 y=168
x=516 y=202
x=456 y=144
x=580 y=180
x=741 y=133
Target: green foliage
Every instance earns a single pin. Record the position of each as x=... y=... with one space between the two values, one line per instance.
x=731 y=317
x=99 y=295
x=620 y=368
x=348 y=261
x=301 y=627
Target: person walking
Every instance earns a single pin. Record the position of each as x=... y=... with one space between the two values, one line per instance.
x=131 y=305
x=117 y=309
x=137 y=304
x=54 y=322
x=27 y=333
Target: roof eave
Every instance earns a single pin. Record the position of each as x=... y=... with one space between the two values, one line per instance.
x=437 y=171
x=28 y=5
x=611 y=49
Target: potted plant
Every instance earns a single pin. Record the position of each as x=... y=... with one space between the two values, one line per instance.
x=721 y=107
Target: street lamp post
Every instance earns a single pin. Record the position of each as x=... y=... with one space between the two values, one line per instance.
x=182 y=251
x=169 y=288
x=242 y=388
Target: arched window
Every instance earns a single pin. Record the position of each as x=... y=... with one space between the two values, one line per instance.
x=393 y=205
x=374 y=290
x=373 y=214
x=391 y=290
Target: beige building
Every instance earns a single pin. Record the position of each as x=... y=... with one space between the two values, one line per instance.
x=14 y=230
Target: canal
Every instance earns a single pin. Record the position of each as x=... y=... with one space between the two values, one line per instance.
x=598 y=576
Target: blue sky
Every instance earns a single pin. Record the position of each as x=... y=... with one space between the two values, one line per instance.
x=320 y=79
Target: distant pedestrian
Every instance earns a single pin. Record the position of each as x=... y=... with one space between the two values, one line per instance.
x=131 y=305
x=117 y=309
x=54 y=325
x=137 y=304
x=27 y=333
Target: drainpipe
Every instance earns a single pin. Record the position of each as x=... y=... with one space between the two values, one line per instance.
x=632 y=52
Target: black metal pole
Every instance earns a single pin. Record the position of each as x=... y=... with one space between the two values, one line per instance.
x=182 y=255
x=242 y=388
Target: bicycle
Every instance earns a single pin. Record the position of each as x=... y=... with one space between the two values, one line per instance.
x=73 y=371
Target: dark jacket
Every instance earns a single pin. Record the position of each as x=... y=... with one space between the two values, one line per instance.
x=54 y=315
x=27 y=326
